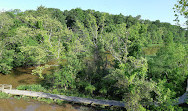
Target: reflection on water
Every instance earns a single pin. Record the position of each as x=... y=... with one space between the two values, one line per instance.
x=23 y=105
x=19 y=76
x=23 y=76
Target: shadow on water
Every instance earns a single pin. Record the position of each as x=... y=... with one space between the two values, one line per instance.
x=22 y=70
x=19 y=76
x=25 y=81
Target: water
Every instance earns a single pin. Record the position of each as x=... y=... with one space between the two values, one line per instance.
x=19 y=76
x=23 y=76
x=23 y=105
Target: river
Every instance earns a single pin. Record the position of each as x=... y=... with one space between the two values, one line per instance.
x=13 y=104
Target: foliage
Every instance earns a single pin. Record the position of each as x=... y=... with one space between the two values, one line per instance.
x=34 y=87
x=131 y=84
x=33 y=55
x=98 y=55
x=6 y=61
x=38 y=71
x=171 y=64
x=181 y=8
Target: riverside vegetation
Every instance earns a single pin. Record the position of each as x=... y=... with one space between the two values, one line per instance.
x=98 y=55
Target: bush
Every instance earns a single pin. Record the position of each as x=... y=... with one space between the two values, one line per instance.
x=34 y=87
x=4 y=95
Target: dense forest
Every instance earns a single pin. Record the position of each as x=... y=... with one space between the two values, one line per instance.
x=141 y=62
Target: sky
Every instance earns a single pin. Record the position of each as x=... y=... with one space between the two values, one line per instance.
x=148 y=9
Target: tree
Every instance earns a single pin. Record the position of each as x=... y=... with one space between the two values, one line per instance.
x=170 y=64
x=92 y=35
x=6 y=60
x=117 y=43
x=129 y=83
x=6 y=54
x=181 y=8
x=64 y=78
x=6 y=22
